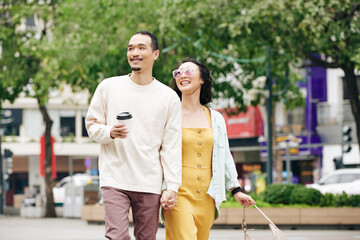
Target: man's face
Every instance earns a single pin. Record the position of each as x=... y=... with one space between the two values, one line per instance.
x=140 y=53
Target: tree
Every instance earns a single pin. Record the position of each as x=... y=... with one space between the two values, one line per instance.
x=298 y=32
x=94 y=37
x=306 y=29
x=16 y=65
x=33 y=65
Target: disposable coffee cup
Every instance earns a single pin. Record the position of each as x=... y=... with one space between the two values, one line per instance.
x=125 y=118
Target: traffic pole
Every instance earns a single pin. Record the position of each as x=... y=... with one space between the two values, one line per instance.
x=1 y=179
x=269 y=162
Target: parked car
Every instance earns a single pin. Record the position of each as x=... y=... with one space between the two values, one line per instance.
x=342 y=180
x=77 y=179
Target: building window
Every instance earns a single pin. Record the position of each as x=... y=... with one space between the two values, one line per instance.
x=296 y=120
x=11 y=131
x=296 y=116
x=67 y=126
x=11 y=119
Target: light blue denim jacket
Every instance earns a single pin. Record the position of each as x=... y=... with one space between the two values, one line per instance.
x=224 y=174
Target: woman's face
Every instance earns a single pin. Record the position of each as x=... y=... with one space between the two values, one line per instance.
x=187 y=78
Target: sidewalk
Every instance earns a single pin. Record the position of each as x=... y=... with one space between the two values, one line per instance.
x=17 y=228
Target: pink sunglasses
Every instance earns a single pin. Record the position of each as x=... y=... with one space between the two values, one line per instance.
x=179 y=72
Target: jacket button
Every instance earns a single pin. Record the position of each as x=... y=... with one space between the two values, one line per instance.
x=199 y=166
x=199 y=131
x=199 y=142
x=199 y=178
x=198 y=191
x=199 y=154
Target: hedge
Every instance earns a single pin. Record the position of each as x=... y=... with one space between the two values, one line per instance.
x=295 y=194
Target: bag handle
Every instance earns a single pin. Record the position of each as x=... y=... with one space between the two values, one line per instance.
x=263 y=214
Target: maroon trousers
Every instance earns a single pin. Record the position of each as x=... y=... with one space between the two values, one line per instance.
x=145 y=211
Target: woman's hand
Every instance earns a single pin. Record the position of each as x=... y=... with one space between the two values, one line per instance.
x=168 y=199
x=244 y=199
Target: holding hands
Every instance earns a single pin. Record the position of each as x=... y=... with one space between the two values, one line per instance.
x=168 y=199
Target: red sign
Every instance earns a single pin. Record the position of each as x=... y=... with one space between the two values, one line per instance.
x=42 y=157
x=244 y=125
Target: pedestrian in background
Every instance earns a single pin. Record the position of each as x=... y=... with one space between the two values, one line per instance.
x=208 y=168
x=133 y=162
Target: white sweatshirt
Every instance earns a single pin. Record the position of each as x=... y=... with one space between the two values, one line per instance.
x=152 y=150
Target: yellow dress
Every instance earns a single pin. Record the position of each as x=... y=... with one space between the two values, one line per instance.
x=194 y=213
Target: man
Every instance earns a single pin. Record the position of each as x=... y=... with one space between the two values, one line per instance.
x=133 y=163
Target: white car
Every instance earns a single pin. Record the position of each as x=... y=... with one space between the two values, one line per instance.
x=347 y=180
x=78 y=180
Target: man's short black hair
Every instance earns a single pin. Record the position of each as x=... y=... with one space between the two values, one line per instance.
x=154 y=41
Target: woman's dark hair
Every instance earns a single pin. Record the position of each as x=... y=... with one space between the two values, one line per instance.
x=154 y=41
x=205 y=93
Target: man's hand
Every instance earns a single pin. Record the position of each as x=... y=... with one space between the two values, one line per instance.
x=119 y=131
x=244 y=199
x=168 y=199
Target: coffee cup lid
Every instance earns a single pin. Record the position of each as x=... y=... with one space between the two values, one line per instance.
x=123 y=116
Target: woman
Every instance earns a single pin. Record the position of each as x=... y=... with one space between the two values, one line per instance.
x=207 y=164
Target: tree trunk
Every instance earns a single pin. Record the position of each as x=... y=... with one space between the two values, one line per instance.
x=276 y=152
x=352 y=89
x=50 y=206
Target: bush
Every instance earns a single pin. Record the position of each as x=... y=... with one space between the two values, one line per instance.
x=307 y=196
x=289 y=194
x=327 y=200
x=354 y=200
x=342 y=200
x=279 y=193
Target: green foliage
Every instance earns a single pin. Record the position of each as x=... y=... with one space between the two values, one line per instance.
x=279 y=193
x=354 y=200
x=327 y=200
x=85 y=41
x=289 y=195
x=307 y=196
x=342 y=200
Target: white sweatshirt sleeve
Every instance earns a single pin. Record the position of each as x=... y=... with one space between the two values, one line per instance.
x=95 y=120
x=170 y=153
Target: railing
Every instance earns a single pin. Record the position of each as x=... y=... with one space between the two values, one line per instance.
x=331 y=114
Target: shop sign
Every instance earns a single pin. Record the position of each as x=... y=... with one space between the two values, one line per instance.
x=245 y=124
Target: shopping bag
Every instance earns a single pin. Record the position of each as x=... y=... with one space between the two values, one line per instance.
x=277 y=233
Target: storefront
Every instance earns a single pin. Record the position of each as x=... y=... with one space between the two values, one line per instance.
x=244 y=130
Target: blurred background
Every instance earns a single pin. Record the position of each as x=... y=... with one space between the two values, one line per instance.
x=286 y=79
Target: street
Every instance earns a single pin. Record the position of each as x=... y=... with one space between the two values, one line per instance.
x=17 y=228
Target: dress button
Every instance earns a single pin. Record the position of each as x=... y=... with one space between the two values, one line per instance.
x=199 y=166
x=199 y=131
x=198 y=178
x=198 y=191
x=199 y=154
